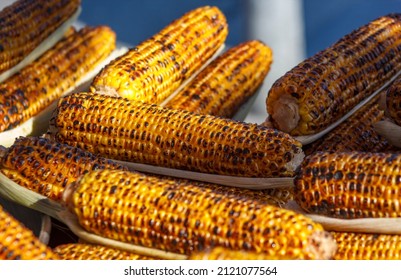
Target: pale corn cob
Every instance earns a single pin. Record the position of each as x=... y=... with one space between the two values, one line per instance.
x=393 y=102
x=127 y=130
x=155 y=68
x=227 y=82
x=47 y=167
x=326 y=86
x=221 y=253
x=82 y=251
x=17 y=242
x=354 y=134
x=161 y=214
x=350 y=184
x=365 y=246
x=25 y=24
x=35 y=87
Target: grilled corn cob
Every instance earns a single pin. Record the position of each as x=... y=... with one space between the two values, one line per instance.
x=25 y=24
x=47 y=167
x=155 y=213
x=221 y=253
x=35 y=87
x=18 y=242
x=273 y=196
x=363 y=246
x=326 y=86
x=354 y=134
x=350 y=184
x=227 y=82
x=82 y=251
x=118 y=128
x=155 y=68
x=393 y=102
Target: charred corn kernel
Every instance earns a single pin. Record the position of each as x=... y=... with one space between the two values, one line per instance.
x=155 y=68
x=25 y=24
x=155 y=213
x=227 y=82
x=354 y=134
x=393 y=101
x=350 y=184
x=17 y=242
x=273 y=196
x=47 y=167
x=34 y=88
x=324 y=87
x=127 y=130
x=364 y=246
x=222 y=253
x=82 y=251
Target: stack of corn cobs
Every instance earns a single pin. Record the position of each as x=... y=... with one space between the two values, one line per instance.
x=142 y=159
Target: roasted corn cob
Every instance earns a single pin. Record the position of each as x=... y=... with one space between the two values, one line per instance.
x=222 y=253
x=393 y=102
x=82 y=251
x=118 y=128
x=35 y=87
x=273 y=196
x=25 y=24
x=155 y=68
x=227 y=82
x=350 y=184
x=17 y=242
x=161 y=214
x=47 y=167
x=354 y=134
x=326 y=86
x=364 y=246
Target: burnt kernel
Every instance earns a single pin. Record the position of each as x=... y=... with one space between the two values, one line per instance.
x=171 y=195
x=338 y=175
x=350 y=175
x=113 y=189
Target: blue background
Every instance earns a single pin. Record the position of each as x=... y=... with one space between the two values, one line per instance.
x=325 y=21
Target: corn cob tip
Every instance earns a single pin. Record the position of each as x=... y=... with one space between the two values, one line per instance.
x=322 y=245
x=66 y=198
x=104 y=90
x=293 y=165
x=285 y=113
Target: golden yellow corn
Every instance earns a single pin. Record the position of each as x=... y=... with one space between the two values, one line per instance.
x=17 y=242
x=82 y=251
x=34 y=88
x=161 y=214
x=367 y=246
x=227 y=82
x=127 y=130
x=393 y=101
x=324 y=87
x=222 y=253
x=350 y=184
x=155 y=68
x=47 y=167
x=25 y=24
x=354 y=134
